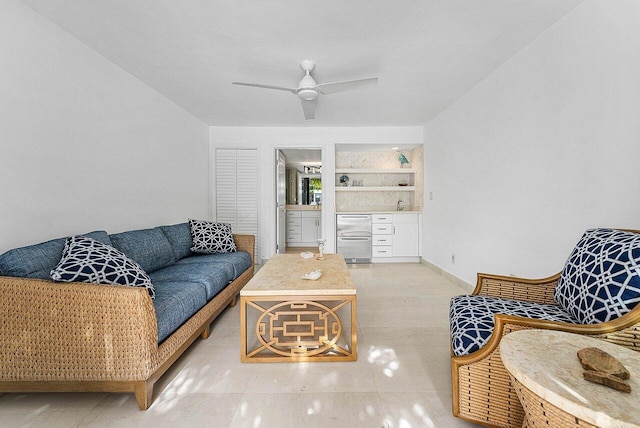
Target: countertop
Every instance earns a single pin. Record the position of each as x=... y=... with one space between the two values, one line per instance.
x=380 y=212
x=303 y=207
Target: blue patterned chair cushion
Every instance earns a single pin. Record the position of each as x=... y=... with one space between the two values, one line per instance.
x=87 y=260
x=472 y=321
x=210 y=237
x=601 y=279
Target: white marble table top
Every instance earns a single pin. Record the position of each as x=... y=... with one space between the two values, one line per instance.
x=546 y=362
x=282 y=276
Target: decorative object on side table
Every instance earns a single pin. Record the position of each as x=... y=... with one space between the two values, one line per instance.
x=604 y=369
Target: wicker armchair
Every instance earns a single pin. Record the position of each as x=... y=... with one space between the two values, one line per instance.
x=482 y=391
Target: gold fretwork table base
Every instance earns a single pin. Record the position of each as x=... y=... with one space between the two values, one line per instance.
x=298 y=328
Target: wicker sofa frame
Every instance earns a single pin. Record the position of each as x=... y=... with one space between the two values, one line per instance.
x=77 y=337
x=482 y=391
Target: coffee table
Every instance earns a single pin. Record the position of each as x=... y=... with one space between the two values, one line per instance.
x=547 y=376
x=285 y=318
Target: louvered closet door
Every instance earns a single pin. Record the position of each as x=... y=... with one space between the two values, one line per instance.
x=237 y=190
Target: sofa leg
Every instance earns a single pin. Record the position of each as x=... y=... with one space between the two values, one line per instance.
x=206 y=332
x=234 y=301
x=144 y=394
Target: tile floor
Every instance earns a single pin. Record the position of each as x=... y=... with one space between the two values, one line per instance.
x=401 y=379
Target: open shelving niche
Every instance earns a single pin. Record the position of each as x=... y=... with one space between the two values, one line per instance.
x=365 y=171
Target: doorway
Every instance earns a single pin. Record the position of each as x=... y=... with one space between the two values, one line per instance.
x=298 y=199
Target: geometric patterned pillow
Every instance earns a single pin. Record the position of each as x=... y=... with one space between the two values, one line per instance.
x=87 y=260
x=209 y=237
x=601 y=279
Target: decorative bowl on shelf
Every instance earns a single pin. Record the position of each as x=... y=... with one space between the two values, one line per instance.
x=403 y=184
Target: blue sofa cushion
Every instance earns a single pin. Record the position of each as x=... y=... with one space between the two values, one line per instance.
x=175 y=303
x=150 y=248
x=87 y=260
x=179 y=236
x=472 y=318
x=601 y=279
x=210 y=237
x=212 y=277
x=239 y=261
x=37 y=261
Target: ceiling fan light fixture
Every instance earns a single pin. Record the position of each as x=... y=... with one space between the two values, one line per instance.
x=308 y=94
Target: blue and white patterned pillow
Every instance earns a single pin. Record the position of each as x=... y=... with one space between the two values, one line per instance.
x=601 y=279
x=210 y=237
x=87 y=260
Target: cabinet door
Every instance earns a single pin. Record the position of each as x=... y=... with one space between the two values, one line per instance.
x=310 y=227
x=405 y=236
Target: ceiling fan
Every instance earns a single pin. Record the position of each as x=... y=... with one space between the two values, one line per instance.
x=308 y=90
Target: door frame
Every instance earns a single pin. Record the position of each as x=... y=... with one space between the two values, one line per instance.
x=275 y=187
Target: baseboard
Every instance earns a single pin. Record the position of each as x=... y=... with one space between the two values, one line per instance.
x=451 y=277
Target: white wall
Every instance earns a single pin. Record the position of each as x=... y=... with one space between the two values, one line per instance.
x=84 y=145
x=545 y=147
x=266 y=140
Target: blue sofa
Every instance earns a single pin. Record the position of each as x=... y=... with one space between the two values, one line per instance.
x=87 y=337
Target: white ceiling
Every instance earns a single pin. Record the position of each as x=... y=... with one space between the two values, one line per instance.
x=426 y=53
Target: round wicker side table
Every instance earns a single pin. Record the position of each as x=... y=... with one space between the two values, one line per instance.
x=547 y=376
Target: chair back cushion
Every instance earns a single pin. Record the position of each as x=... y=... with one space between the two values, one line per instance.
x=601 y=279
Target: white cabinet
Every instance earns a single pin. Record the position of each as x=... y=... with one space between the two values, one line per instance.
x=303 y=228
x=395 y=237
x=405 y=235
x=381 y=235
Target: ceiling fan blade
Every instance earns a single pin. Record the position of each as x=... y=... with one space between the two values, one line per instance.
x=258 y=85
x=332 y=88
x=309 y=108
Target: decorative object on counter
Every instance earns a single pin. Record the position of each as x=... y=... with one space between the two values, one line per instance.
x=344 y=179
x=312 y=275
x=604 y=369
x=306 y=255
x=321 y=249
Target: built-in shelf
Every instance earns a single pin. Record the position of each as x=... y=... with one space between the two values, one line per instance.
x=375 y=188
x=375 y=171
